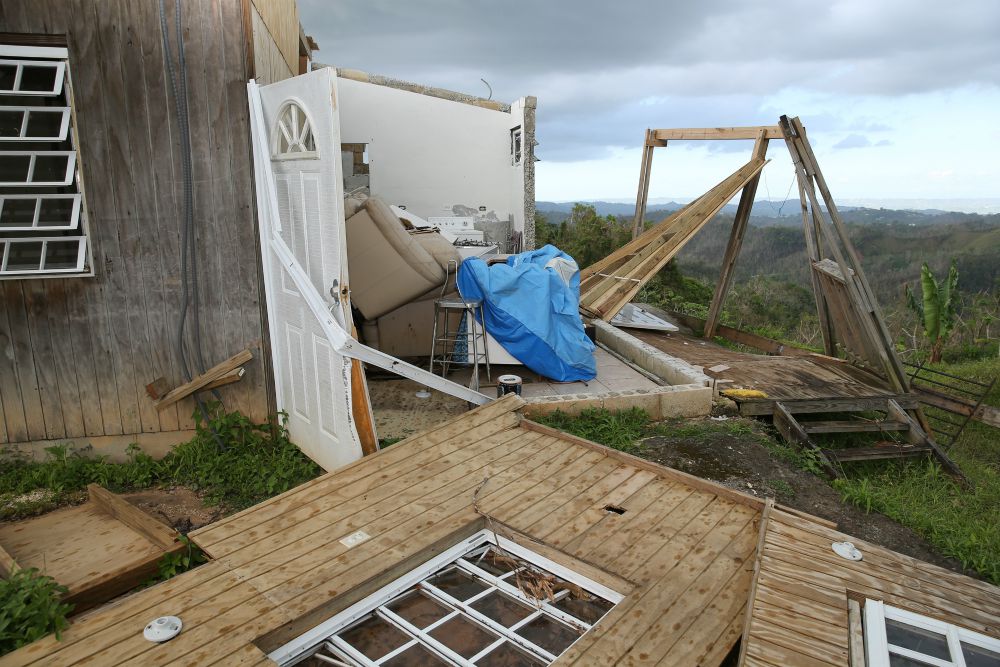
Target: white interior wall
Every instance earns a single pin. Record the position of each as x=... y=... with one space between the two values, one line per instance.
x=431 y=154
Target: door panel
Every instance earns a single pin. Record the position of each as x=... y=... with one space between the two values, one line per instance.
x=298 y=117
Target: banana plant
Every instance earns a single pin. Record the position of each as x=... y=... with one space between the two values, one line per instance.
x=936 y=308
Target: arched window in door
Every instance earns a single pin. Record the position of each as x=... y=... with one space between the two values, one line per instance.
x=293 y=134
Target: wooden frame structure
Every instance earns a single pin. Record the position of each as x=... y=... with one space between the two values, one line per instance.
x=847 y=309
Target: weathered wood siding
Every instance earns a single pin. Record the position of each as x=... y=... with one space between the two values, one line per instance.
x=800 y=612
x=281 y=20
x=77 y=353
x=269 y=63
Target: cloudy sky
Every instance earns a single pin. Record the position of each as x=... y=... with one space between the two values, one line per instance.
x=901 y=98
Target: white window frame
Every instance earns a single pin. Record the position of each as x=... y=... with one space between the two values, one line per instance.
x=57 y=85
x=878 y=648
x=11 y=236
x=304 y=130
x=73 y=222
x=326 y=632
x=25 y=119
x=7 y=243
x=33 y=156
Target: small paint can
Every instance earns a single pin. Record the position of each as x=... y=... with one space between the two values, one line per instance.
x=508 y=384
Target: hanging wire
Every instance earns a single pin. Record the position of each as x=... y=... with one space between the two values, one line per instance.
x=785 y=200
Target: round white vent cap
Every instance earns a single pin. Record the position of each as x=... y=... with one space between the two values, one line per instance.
x=847 y=550
x=162 y=629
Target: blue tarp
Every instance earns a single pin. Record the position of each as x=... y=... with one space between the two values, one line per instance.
x=533 y=311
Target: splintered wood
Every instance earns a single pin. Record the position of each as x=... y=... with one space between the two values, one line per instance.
x=609 y=284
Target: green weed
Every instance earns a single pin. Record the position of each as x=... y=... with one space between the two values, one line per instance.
x=616 y=429
x=30 y=608
x=255 y=462
x=172 y=564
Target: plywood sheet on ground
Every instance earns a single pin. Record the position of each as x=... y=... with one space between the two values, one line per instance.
x=682 y=552
x=781 y=378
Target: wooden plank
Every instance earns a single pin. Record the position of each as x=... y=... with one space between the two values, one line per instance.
x=7 y=563
x=718 y=133
x=705 y=643
x=11 y=398
x=606 y=298
x=24 y=362
x=987 y=414
x=810 y=224
x=917 y=437
x=856 y=634
x=155 y=531
x=643 y=194
x=361 y=406
x=765 y=517
x=232 y=376
x=740 y=222
x=877 y=453
x=49 y=297
x=834 y=426
x=793 y=649
x=204 y=379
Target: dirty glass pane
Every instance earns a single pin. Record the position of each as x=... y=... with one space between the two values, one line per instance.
x=548 y=633
x=62 y=254
x=44 y=124
x=14 y=168
x=38 y=78
x=418 y=609
x=508 y=655
x=463 y=636
x=17 y=213
x=503 y=609
x=900 y=661
x=587 y=608
x=10 y=123
x=457 y=584
x=916 y=639
x=374 y=637
x=977 y=656
x=50 y=169
x=415 y=656
x=55 y=212
x=7 y=75
x=24 y=256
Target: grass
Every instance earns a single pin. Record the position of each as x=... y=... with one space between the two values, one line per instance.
x=619 y=430
x=255 y=462
x=960 y=522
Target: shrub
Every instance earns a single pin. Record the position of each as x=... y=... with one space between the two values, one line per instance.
x=30 y=608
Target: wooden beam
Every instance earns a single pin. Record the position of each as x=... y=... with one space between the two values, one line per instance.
x=856 y=638
x=765 y=518
x=792 y=432
x=878 y=453
x=917 y=436
x=753 y=340
x=986 y=414
x=361 y=406
x=642 y=196
x=7 y=563
x=232 y=376
x=156 y=532
x=205 y=379
x=810 y=224
x=740 y=223
x=718 y=133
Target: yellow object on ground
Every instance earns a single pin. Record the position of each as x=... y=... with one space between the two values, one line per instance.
x=743 y=393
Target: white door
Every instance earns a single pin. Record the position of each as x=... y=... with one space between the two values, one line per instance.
x=297 y=124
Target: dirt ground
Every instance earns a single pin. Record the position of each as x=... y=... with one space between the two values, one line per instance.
x=176 y=506
x=744 y=464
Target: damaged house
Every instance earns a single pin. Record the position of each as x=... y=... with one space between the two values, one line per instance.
x=191 y=208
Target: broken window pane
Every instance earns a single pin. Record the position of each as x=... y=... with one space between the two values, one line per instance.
x=588 y=608
x=375 y=637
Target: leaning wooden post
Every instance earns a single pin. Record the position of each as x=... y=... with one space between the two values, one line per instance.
x=643 y=194
x=740 y=223
x=811 y=234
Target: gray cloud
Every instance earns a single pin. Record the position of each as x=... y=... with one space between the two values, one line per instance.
x=604 y=71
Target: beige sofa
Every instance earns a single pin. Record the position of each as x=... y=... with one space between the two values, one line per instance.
x=391 y=266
